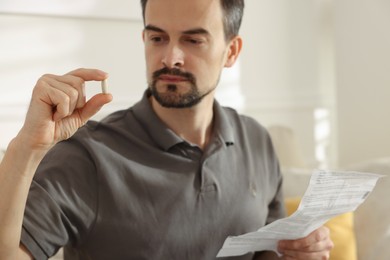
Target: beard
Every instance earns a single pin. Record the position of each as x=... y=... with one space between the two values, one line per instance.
x=172 y=98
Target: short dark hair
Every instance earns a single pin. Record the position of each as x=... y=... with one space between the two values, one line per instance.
x=233 y=10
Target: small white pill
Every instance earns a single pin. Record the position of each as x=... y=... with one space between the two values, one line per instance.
x=104 y=86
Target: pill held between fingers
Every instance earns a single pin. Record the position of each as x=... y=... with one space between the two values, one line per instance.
x=104 y=86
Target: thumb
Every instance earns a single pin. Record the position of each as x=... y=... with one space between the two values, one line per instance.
x=94 y=105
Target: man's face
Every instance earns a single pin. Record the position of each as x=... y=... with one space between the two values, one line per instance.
x=185 y=50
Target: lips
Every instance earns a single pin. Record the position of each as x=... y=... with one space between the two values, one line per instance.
x=170 y=78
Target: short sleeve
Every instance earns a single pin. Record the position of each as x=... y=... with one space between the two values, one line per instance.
x=276 y=207
x=264 y=156
x=62 y=201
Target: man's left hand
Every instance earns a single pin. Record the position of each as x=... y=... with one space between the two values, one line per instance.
x=316 y=245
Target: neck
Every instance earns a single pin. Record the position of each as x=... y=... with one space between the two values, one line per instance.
x=192 y=124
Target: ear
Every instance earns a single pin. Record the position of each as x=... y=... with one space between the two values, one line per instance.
x=234 y=50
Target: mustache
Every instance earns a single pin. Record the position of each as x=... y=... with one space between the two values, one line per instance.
x=174 y=72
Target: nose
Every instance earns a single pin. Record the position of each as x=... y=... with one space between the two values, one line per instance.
x=173 y=56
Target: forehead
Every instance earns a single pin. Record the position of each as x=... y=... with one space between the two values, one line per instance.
x=184 y=14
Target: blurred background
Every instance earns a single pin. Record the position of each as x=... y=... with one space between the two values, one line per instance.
x=320 y=68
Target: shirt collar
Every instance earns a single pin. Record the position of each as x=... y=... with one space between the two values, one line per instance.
x=165 y=137
x=223 y=125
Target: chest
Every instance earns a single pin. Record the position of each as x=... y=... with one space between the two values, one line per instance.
x=180 y=206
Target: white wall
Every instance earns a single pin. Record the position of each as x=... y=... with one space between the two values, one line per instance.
x=283 y=69
x=321 y=67
x=363 y=79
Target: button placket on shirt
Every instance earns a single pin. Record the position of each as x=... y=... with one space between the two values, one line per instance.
x=207 y=182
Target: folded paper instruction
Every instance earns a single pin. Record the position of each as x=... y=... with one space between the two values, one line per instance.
x=330 y=193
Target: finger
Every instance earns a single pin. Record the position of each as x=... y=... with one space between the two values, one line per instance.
x=49 y=92
x=314 y=237
x=60 y=102
x=89 y=74
x=66 y=93
x=75 y=99
x=77 y=78
x=73 y=82
x=323 y=245
x=94 y=105
x=307 y=255
x=316 y=245
x=321 y=248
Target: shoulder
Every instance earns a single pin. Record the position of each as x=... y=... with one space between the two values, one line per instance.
x=119 y=124
x=245 y=124
x=114 y=119
x=250 y=135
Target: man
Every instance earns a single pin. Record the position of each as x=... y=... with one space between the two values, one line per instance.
x=169 y=178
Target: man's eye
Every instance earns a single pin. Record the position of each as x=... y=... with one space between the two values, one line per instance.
x=156 y=39
x=194 y=41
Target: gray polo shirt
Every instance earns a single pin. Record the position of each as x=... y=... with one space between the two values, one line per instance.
x=129 y=188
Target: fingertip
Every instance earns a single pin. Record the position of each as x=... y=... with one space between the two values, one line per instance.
x=89 y=74
x=104 y=74
x=94 y=105
x=57 y=117
x=110 y=97
x=281 y=245
x=105 y=97
x=100 y=74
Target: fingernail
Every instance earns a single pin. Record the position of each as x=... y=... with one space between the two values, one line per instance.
x=103 y=73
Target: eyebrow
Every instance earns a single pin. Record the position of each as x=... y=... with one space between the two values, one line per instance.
x=197 y=31
x=189 y=32
x=153 y=28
